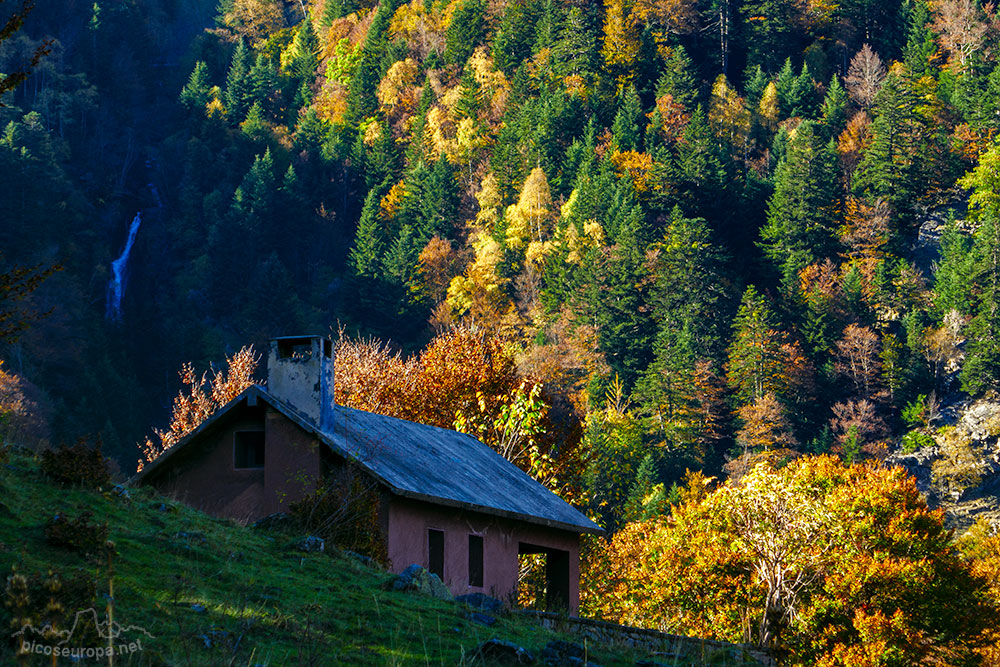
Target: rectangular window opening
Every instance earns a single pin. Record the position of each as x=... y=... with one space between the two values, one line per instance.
x=248 y=449
x=476 y=560
x=294 y=348
x=435 y=552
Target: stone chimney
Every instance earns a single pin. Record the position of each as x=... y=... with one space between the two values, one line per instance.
x=300 y=373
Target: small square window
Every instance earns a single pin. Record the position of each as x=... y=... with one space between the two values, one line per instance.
x=476 y=560
x=248 y=449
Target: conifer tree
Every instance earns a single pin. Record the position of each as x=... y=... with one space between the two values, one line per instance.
x=335 y=9
x=464 y=32
x=301 y=61
x=195 y=94
x=239 y=86
x=891 y=166
x=981 y=370
x=575 y=51
x=253 y=202
x=757 y=364
x=263 y=79
x=802 y=211
x=920 y=47
x=834 y=110
x=626 y=131
x=365 y=257
x=678 y=79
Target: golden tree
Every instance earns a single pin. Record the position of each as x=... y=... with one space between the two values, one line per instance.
x=200 y=398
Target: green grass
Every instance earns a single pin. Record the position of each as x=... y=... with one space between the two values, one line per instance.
x=264 y=603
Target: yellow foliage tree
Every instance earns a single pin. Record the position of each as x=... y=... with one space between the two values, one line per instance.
x=620 y=48
x=530 y=219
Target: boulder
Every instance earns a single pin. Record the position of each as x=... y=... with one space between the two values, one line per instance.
x=417 y=579
x=481 y=602
x=499 y=652
x=311 y=544
x=481 y=619
x=564 y=654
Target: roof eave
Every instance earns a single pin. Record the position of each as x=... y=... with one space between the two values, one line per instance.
x=507 y=514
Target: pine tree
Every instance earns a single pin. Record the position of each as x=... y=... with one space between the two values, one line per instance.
x=301 y=61
x=365 y=257
x=575 y=52
x=253 y=202
x=626 y=131
x=802 y=97
x=981 y=370
x=689 y=288
x=952 y=287
x=678 y=79
x=768 y=33
x=757 y=363
x=361 y=100
x=803 y=209
x=195 y=94
x=254 y=127
x=891 y=168
x=263 y=79
x=754 y=83
x=834 y=108
x=310 y=133
x=464 y=32
x=920 y=47
x=785 y=83
x=512 y=40
x=239 y=87
x=335 y=9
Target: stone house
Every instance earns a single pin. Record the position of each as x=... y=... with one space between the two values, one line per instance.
x=446 y=500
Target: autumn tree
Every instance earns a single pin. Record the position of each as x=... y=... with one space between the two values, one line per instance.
x=857 y=359
x=529 y=221
x=865 y=76
x=961 y=26
x=621 y=40
x=199 y=399
x=822 y=562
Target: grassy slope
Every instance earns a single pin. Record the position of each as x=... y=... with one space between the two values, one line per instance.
x=265 y=604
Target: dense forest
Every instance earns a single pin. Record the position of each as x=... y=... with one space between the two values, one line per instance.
x=620 y=242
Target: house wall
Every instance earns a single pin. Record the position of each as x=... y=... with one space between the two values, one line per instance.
x=409 y=521
x=205 y=477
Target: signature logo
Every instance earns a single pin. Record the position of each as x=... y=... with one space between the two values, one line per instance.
x=47 y=640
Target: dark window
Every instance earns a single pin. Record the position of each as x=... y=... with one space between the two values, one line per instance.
x=248 y=449
x=294 y=348
x=475 y=560
x=435 y=552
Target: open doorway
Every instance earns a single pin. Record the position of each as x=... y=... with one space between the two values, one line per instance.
x=543 y=577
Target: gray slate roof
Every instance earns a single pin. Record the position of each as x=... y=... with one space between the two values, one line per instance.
x=426 y=463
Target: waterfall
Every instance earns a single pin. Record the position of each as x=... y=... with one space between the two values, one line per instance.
x=119 y=271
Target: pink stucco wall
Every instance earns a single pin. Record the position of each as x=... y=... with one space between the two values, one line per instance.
x=206 y=479
x=409 y=521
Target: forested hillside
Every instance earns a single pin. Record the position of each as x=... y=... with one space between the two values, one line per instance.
x=707 y=209
x=618 y=242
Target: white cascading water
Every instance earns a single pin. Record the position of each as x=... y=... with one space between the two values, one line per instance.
x=119 y=273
